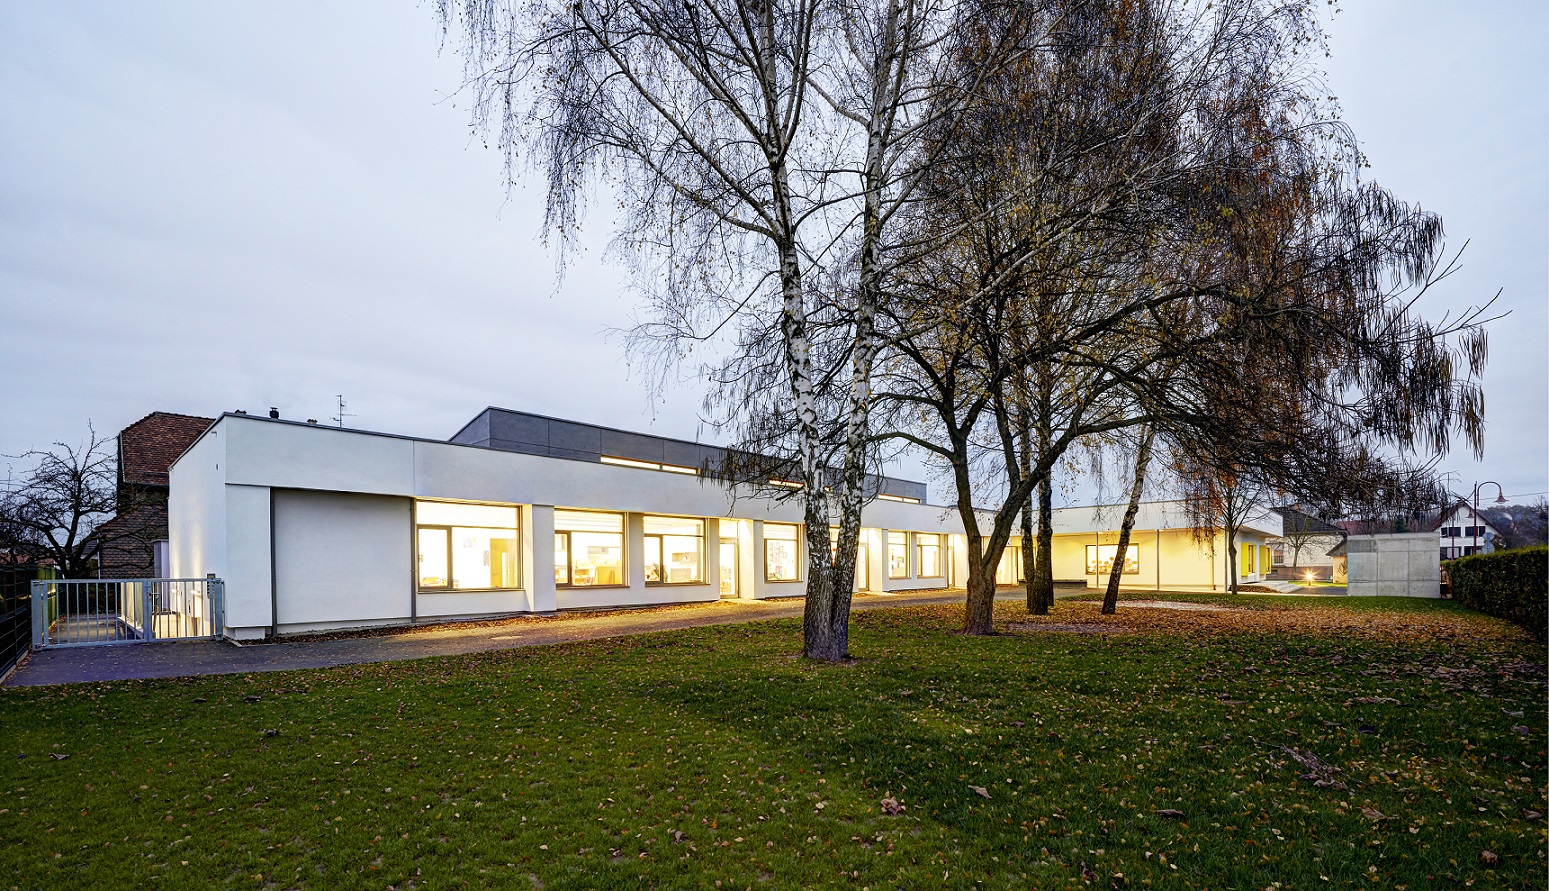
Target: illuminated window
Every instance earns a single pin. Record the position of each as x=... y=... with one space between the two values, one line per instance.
x=1099 y=559
x=466 y=547
x=929 y=546
x=1009 y=572
x=904 y=498
x=588 y=548
x=649 y=465
x=674 y=550
x=898 y=555
x=782 y=553
x=862 y=558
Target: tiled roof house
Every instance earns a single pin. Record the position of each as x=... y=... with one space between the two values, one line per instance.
x=146 y=449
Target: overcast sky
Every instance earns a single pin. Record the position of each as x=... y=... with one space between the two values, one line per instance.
x=212 y=206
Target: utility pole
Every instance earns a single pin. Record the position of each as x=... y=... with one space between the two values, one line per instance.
x=339 y=418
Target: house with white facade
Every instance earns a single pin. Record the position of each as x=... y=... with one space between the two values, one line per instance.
x=316 y=528
x=1462 y=532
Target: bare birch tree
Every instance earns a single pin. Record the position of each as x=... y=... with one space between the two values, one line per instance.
x=1143 y=452
x=760 y=152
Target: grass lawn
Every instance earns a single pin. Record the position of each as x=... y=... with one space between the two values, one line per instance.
x=1302 y=743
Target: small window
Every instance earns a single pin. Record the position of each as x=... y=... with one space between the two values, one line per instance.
x=929 y=546
x=782 y=553
x=588 y=549
x=898 y=555
x=649 y=465
x=466 y=547
x=674 y=551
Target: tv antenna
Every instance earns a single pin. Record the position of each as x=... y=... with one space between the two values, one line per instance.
x=339 y=418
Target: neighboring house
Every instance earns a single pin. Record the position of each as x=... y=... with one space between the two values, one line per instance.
x=135 y=541
x=1462 y=532
x=1339 y=555
x=314 y=528
x=1302 y=549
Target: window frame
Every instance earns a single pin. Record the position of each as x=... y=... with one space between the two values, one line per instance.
x=623 y=534
x=796 y=546
x=890 y=546
x=449 y=529
x=661 y=552
x=919 y=550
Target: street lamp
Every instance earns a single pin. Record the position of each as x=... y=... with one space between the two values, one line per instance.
x=1500 y=498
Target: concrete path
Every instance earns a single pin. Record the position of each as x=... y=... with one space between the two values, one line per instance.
x=181 y=659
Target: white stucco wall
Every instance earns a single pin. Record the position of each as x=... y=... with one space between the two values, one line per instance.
x=196 y=510
x=346 y=560
x=1406 y=564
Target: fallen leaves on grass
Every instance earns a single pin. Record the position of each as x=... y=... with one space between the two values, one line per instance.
x=980 y=791
x=891 y=807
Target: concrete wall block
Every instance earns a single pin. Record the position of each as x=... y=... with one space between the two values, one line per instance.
x=1392 y=565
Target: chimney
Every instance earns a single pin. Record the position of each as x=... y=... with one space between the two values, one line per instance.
x=274 y=413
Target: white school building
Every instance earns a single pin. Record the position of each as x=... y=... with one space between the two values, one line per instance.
x=316 y=528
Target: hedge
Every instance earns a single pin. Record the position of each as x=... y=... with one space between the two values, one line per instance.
x=1511 y=585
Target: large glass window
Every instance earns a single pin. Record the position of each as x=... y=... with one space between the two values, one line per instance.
x=1099 y=559
x=674 y=550
x=782 y=553
x=1010 y=570
x=862 y=558
x=466 y=546
x=929 y=546
x=588 y=548
x=898 y=555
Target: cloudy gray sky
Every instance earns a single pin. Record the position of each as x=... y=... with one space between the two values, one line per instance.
x=212 y=206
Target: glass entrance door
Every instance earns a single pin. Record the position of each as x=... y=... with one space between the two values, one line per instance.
x=729 y=567
x=862 y=567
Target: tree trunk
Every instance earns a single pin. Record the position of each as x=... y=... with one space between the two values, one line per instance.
x=1044 y=567
x=1142 y=458
x=1043 y=583
x=1231 y=562
x=980 y=612
x=1029 y=569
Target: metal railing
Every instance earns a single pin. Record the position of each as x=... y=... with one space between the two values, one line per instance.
x=96 y=612
x=16 y=610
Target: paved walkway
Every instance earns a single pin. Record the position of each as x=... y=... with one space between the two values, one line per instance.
x=181 y=659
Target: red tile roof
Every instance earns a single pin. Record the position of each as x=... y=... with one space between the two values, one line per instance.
x=147 y=448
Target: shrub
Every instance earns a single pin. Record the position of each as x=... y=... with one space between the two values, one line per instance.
x=1511 y=585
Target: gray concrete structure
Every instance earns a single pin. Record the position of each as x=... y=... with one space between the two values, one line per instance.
x=1394 y=564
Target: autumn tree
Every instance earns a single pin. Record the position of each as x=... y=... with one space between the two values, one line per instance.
x=1208 y=261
